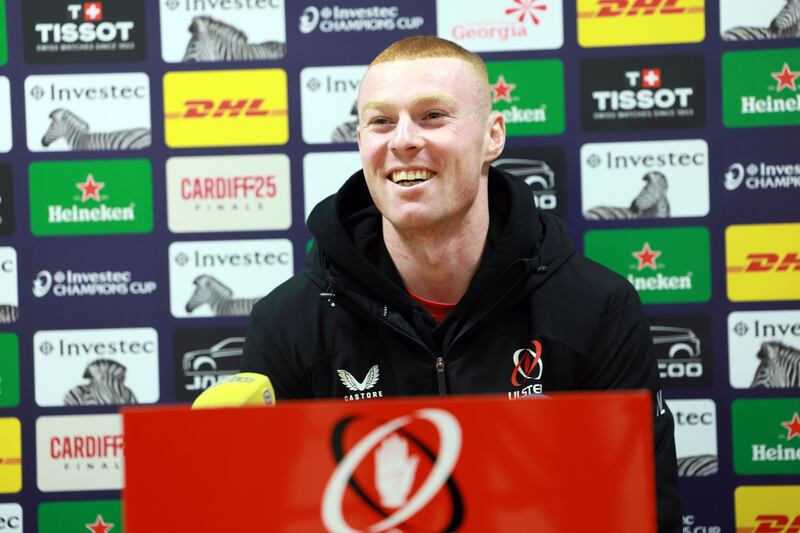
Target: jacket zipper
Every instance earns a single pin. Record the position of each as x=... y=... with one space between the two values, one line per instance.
x=440 y=376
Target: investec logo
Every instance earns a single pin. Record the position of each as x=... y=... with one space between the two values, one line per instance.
x=632 y=22
x=228 y=193
x=761 y=175
x=225 y=108
x=695 y=436
x=87 y=367
x=347 y=19
x=759 y=345
x=88 y=112
x=767 y=509
x=529 y=107
x=763 y=262
x=5 y=115
x=91 y=197
x=11 y=516
x=766 y=436
x=501 y=26
x=9 y=295
x=760 y=88
x=89 y=29
x=82 y=452
x=649 y=179
x=328 y=102
x=647 y=92
x=225 y=278
x=663 y=265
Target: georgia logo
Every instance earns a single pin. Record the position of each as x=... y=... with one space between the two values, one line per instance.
x=395 y=470
x=358 y=386
x=525 y=362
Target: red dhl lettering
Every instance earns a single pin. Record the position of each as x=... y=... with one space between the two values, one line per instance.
x=632 y=8
x=773 y=523
x=767 y=262
x=225 y=108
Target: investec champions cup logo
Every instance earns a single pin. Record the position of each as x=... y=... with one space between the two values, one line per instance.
x=396 y=468
x=632 y=22
x=225 y=108
x=763 y=262
x=760 y=88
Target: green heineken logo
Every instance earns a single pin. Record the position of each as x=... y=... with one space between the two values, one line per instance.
x=91 y=197
x=766 y=436
x=664 y=265
x=760 y=88
x=98 y=516
x=9 y=370
x=529 y=94
x=3 y=42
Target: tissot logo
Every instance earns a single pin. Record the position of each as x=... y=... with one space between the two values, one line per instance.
x=760 y=346
x=225 y=108
x=9 y=295
x=760 y=88
x=5 y=115
x=767 y=509
x=6 y=201
x=82 y=452
x=400 y=445
x=529 y=108
x=328 y=97
x=203 y=356
x=501 y=26
x=65 y=31
x=9 y=370
x=766 y=436
x=682 y=347
x=10 y=455
x=543 y=170
x=91 y=197
x=87 y=367
x=650 y=179
x=222 y=30
x=324 y=173
x=656 y=92
x=361 y=390
x=632 y=22
x=87 y=112
x=225 y=278
x=228 y=193
x=664 y=265
x=748 y=21
x=11 y=517
x=695 y=436
x=763 y=262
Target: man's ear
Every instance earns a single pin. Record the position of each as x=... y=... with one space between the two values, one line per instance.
x=358 y=136
x=497 y=136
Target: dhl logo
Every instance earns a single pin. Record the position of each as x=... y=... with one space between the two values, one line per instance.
x=769 y=262
x=773 y=523
x=632 y=8
x=226 y=108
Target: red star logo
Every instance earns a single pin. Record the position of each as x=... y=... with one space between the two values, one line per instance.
x=502 y=90
x=93 y=11
x=90 y=188
x=651 y=78
x=526 y=7
x=99 y=526
x=646 y=257
x=793 y=426
x=786 y=78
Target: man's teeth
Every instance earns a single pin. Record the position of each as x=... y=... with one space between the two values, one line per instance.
x=411 y=177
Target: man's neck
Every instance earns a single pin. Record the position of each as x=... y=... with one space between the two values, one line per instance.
x=438 y=264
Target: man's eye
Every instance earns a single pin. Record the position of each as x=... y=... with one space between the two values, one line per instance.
x=434 y=114
x=379 y=121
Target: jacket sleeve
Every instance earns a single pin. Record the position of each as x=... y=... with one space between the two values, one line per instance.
x=621 y=357
x=264 y=354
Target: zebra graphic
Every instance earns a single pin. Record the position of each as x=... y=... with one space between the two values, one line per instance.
x=785 y=25
x=8 y=313
x=779 y=367
x=106 y=386
x=651 y=202
x=697 y=465
x=346 y=131
x=209 y=290
x=76 y=132
x=214 y=40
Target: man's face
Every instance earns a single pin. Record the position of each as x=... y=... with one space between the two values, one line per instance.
x=426 y=136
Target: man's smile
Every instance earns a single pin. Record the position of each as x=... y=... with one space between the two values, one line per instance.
x=409 y=178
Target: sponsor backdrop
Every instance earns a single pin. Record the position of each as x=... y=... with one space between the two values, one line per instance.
x=204 y=131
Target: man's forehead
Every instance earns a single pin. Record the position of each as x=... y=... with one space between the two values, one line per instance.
x=432 y=98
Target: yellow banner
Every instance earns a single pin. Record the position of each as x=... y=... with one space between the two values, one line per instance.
x=633 y=22
x=225 y=108
x=767 y=509
x=10 y=455
x=763 y=262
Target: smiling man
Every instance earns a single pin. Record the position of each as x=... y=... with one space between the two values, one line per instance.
x=434 y=273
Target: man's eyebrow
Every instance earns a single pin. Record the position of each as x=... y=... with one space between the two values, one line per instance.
x=427 y=99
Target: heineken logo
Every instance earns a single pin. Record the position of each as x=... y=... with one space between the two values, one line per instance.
x=90 y=189
x=501 y=90
x=786 y=78
x=766 y=436
x=646 y=257
x=793 y=427
x=762 y=452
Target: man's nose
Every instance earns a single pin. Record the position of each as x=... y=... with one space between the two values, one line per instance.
x=406 y=136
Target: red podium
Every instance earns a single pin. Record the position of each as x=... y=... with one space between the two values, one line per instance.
x=562 y=464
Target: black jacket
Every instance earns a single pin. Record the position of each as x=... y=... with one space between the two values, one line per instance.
x=349 y=311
